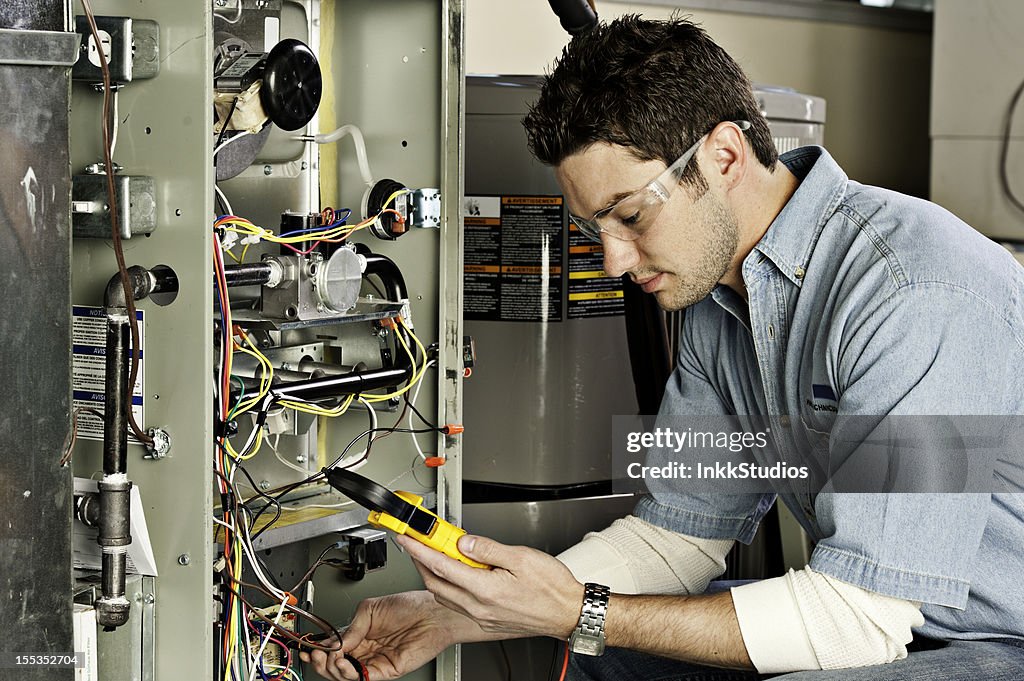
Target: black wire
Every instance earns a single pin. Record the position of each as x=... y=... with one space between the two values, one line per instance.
x=227 y=119
x=234 y=512
x=508 y=662
x=1003 y=175
x=417 y=412
x=270 y=500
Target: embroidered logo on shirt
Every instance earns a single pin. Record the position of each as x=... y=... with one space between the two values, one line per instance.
x=822 y=394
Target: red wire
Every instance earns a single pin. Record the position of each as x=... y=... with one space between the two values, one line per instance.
x=565 y=663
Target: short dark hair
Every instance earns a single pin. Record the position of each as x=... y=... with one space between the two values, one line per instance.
x=653 y=86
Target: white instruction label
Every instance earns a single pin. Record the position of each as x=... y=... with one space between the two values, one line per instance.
x=89 y=369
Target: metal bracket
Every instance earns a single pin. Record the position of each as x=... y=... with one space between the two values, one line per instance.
x=131 y=46
x=90 y=212
x=426 y=208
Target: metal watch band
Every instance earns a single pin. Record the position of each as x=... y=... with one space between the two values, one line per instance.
x=588 y=637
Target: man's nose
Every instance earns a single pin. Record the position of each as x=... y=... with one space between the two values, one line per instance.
x=619 y=256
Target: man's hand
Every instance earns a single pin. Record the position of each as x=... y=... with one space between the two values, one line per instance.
x=392 y=636
x=527 y=593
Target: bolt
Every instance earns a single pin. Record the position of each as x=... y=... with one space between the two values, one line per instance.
x=304 y=165
x=221 y=3
x=150 y=599
x=264 y=485
x=268 y=170
x=184 y=559
x=300 y=459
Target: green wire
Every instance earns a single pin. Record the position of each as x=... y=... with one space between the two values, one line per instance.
x=241 y=395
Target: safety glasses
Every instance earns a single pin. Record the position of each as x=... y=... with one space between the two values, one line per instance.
x=633 y=215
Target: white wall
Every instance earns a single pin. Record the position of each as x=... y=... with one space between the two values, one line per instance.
x=876 y=81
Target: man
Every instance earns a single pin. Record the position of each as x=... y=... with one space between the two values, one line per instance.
x=803 y=289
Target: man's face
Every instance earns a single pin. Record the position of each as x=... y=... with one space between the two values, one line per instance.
x=684 y=252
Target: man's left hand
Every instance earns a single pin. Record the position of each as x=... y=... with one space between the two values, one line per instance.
x=526 y=593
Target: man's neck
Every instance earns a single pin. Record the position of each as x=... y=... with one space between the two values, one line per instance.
x=755 y=208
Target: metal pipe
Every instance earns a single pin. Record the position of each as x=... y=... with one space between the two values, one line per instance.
x=251 y=274
x=335 y=386
x=112 y=608
x=115 y=422
x=114 y=516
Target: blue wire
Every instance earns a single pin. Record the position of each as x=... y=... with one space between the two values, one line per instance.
x=337 y=223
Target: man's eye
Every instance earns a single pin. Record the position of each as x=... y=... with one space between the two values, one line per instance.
x=631 y=220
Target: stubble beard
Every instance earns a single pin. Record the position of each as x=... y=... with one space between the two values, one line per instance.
x=722 y=240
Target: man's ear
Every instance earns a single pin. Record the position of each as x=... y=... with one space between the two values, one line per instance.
x=729 y=154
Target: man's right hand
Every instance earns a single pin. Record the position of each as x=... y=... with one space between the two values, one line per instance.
x=392 y=636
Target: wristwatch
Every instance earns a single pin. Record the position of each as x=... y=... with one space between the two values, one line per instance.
x=588 y=636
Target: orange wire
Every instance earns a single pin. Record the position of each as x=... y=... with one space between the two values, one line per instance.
x=565 y=663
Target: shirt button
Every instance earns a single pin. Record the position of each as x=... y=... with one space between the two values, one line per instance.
x=771 y=331
x=784 y=420
x=799 y=272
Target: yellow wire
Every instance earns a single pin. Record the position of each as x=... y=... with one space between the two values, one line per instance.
x=235 y=257
x=266 y=376
x=309 y=408
x=416 y=375
x=243 y=226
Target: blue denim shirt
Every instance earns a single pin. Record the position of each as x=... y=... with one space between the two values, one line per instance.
x=866 y=301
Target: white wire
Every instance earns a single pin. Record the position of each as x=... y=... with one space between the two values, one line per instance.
x=273 y=448
x=113 y=134
x=362 y=454
x=250 y=552
x=230 y=140
x=224 y=199
x=357 y=139
x=238 y=15
x=305 y=506
x=266 y=639
x=416 y=394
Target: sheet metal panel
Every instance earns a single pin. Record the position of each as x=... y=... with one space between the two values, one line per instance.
x=35 y=325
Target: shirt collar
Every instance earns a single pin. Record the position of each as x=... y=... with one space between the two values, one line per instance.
x=791 y=237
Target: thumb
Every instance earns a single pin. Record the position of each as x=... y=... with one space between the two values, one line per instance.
x=483 y=550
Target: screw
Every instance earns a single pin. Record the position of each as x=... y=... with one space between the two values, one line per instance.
x=150 y=599
x=184 y=559
x=268 y=170
x=304 y=165
x=221 y=3
x=300 y=459
x=27 y=493
x=264 y=485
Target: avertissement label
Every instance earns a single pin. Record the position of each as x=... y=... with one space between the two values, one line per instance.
x=516 y=263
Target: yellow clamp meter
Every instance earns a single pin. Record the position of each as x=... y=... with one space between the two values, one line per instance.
x=402 y=513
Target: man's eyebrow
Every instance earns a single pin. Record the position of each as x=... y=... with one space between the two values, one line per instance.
x=610 y=202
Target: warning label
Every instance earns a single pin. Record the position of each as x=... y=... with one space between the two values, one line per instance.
x=514 y=259
x=89 y=369
x=591 y=292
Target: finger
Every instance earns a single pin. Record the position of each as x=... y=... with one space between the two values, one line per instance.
x=342 y=669
x=436 y=562
x=487 y=551
x=357 y=629
x=319 y=660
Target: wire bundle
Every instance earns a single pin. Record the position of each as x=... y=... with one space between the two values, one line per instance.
x=242 y=624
